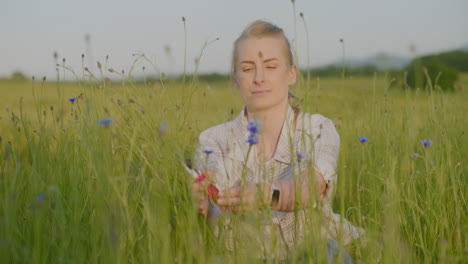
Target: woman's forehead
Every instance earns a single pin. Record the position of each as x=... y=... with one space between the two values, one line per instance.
x=262 y=47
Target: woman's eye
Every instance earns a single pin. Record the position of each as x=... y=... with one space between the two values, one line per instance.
x=271 y=67
x=247 y=69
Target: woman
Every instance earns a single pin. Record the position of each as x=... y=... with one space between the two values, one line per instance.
x=271 y=155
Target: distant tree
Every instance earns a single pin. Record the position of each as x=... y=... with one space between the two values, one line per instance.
x=455 y=59
x=427 y=72
x=18 y=76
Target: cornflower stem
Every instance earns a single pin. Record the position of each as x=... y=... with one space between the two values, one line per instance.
x=185 y=51
x=308 y=50
x=343 y=60
x=244 y=168
x=195 y=75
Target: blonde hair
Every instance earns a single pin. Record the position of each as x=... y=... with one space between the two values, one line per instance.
x=260 y=28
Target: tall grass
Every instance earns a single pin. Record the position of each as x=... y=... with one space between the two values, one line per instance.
x=72 y=191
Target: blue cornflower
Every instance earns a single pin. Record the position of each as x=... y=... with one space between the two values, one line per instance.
x=105 y=121
x=207 y=151
x=40 y=197
x=300 y=156
x=163 y=127
x=425 y=142
x=73 y=99
x=253 y=127
x=253 y=139
x=363 y=139
x=415 y=155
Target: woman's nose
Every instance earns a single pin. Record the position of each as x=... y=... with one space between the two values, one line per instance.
x=259 y=76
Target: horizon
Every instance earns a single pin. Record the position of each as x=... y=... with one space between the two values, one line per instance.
x=35 y=31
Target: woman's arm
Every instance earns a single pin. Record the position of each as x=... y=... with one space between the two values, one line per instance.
x=287 y=189
x=243 y=199
x=207 y=158
x=325 y=148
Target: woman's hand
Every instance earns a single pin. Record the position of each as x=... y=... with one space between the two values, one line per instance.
x=200 y=193
x=242 y=199
x=200 y=197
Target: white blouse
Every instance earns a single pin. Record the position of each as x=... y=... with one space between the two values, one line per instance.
x=314 y=137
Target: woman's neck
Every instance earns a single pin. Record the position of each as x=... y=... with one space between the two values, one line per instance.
x=272 y=123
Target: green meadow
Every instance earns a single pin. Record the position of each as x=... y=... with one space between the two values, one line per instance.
x=75 y=191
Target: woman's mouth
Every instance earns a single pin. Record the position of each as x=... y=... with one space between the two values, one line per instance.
x=260 y=92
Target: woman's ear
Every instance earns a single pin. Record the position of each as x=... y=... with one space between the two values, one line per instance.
x=292 y=74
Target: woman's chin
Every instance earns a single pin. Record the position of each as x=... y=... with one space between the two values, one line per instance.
x=262 y=105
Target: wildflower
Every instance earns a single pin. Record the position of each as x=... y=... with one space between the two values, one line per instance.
x=363 y=140
x=252 y=139
x=163 y=127
x=207 y=151
x=426 y=143
x=213 y=192
x=73 y=99
x=300 y=156
x=40 y=197
x=142 y=109
x=201 y=178
x=99 y=65
x=253 y=126
x=415 y=155
x=105 y=121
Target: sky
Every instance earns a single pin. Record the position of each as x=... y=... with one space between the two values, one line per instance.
x=32 y=31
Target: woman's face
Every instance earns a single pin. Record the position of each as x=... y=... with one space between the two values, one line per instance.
x=262 y=72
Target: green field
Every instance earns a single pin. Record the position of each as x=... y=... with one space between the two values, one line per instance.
x=72 y=191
